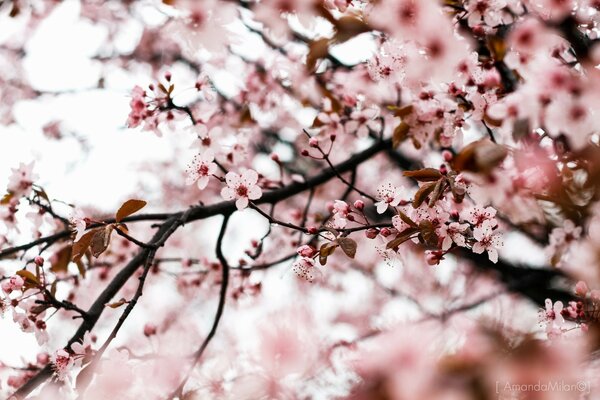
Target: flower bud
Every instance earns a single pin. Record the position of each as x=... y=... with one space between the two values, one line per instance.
x=306 y=251
x=359 y=205
x=149 y=330
x=371 y=233
x=39 y=261
x=313 y=142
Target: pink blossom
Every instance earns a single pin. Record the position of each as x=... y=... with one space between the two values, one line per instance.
x=453 y=232
x=477 y=215
x=242 y=187
x=138 y=107
x=201 y=169
x=487 y=240
x=306 y=268
x=363 y=121
x=80 y=222
x=388 y=195
x=15 y=282
x=581 y=289
x=61 y=363
x=21 y=180
x=306 y=251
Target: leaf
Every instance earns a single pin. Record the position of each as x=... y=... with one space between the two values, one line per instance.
x=101 y=240
x=481 y=156
x=401 y=238
x=428 y=233
x=424 y=175
x=82 y=245
x=317 y=49
x=402 y=111
x=422 y=194
x=400 y=134
x=128 y=208
x=497 y=47
x=61 y=260
x=326 y=250
x=348 y=246
x=30 y=279
x=117 y=304
x=6 y=198
x=349 y=27
x=53 y=288
x=438 y=191
x=81 y=268
x=42 y=193
x=407 y=219
x=521 y=129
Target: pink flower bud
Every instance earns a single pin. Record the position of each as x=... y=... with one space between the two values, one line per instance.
x=42 y=358
x=385 y=232
x=581 y=289
x=443 y=169
x=313 y=142
x=432 y=258
x=312 y=230
x=304 y=153
x=371 y=233
x=168 y=76
x=359 y=205
x=149 y=330
x=447 y=155
x=306 y=251
x=39 y=261
x=275 y=157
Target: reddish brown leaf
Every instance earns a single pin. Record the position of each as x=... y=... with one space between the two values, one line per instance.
x=422 y=193
x=317 y=49
x=128 y=208
x=424 y=175
x=83 y=244
x=437 y=193
x=348 y=246
x=61 y=260
x=400 y=134
x=101 y=240
x=428 y=233
x=401 y=238
x=30 y=279
x=481 y=156
x=349 y=27
x=117 y=304
x=325 y=251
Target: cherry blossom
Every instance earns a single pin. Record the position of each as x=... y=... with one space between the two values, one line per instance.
x=79 y=222
x=61 y=363
x=388 y=195
x=386 y=149
x=13 y=283
x=243 y=187
x=21 y=180
x=453 y=232
x=201 y=169
x=487 y=240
